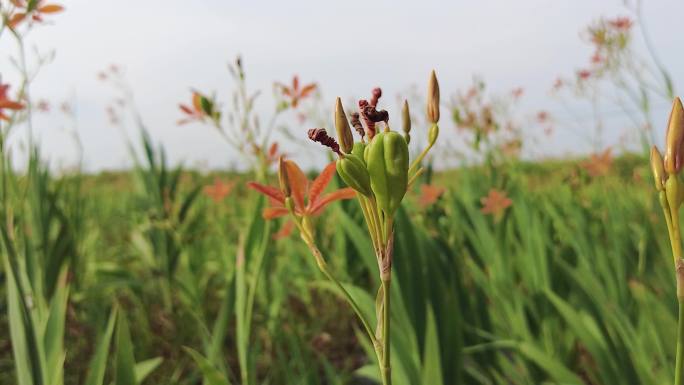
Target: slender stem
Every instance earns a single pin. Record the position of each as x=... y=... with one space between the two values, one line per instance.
x=677 y=241
x=378 y=223
x=679 y=362
x=668 y=219
x=364 y=202
x=352 y=303
x=385 y=369
x=323 y=266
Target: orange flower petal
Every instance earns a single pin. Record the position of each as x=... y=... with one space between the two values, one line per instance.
x=16 y=19
x=307 y=90
x=274 y=212
x=51 y=8
x=285 y=230
x=320 y=183
x=269 y=191
x=197 y=101
x=295 y=83
x=345 y=193
x=185 y=109
x=298 y=183
x=10 y=105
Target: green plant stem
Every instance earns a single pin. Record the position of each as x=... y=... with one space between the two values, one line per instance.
x=385 y=369
x=416 y=162
x=323 y=266
x=370 y=222
x=679 y=365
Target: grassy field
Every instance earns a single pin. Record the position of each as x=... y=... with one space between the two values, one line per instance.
x=382 y=267
x=571 y=284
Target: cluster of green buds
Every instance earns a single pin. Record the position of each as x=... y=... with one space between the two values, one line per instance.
x=377 y=168
x=666 y=174
x=377 y=165
x=666 y=171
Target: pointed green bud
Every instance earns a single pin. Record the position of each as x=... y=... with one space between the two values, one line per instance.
x=674 y=139
x=433 y=99
x=657 y=168
x=406 y=121
x=353 y=172
x=672 y=188
x=388 y=163
x=344 y=134
x=359 y=151
x=433 y=134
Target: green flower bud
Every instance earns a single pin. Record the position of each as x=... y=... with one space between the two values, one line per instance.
x=344 y=134
x=657 y=168
x=388 y=162
x=433 y=133
x=359 y=151
x=353 y=172
x=433 y=99
x=406 y=121
x=672 y=189
x=674 y=139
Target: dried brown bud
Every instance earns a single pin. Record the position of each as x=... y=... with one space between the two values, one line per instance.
x=373 y=115
x=344 y=134
x=376 y=94
x=674 y=139
x=433 y=99
x=356 y=123
x=370 y=125
x=320 y=135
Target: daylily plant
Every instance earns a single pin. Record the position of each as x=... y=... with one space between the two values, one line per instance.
x=35 y=9
x=377 y=167
x=294 y=93
x=6 y=103
x=666 y=171
x=307 y=196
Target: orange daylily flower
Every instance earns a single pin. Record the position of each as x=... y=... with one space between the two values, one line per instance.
x=599 y=164
x=194 y=111
x=34 y=9
x=218 y=190
x=284 y=231
x=294 y=93
x=306 y=195
x=429 y=194
x=495 y=203
x=6 y=103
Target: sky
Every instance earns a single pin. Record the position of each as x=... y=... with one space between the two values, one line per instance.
x=348 y=47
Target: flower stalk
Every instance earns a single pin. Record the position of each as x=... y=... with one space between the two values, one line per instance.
x=666 y=172
x=378 y=169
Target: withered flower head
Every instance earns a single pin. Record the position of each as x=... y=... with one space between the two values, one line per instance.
x=320 y=135
x=356 y=122
x=376 y=94
x=370 y=113
x=674 y=138
x=657 y=168
x=433 y=99
x=344 y=134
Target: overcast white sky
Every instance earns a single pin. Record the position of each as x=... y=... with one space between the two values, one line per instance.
x=348 y=47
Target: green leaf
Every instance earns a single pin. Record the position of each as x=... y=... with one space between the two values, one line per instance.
x=125 y=361
x=432 y=362
x=211 y=375
x=144 y=368
x=98 y=364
